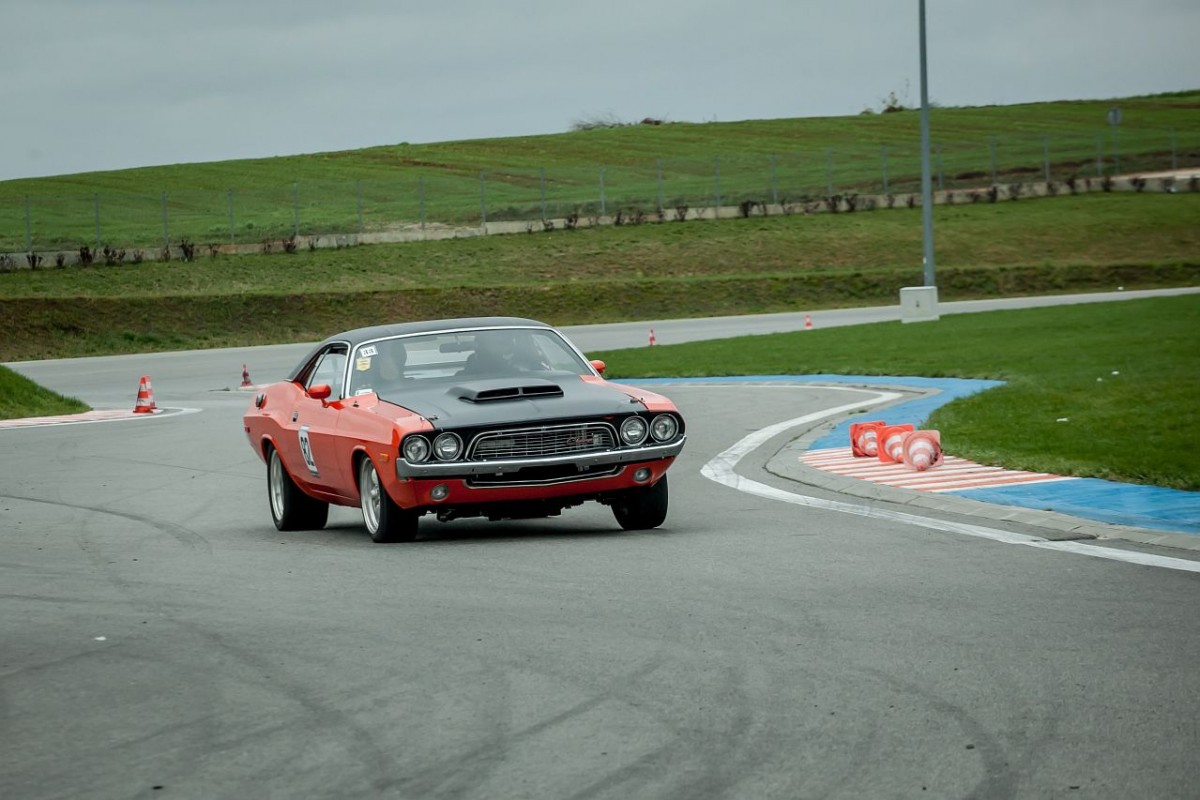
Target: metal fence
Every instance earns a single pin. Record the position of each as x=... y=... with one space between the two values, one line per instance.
x=422 y=199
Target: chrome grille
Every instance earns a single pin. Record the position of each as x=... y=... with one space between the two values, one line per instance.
x=536 y=442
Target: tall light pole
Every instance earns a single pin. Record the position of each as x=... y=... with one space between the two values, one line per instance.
x=926 y=183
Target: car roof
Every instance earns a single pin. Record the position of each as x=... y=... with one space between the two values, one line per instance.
x=359 y=335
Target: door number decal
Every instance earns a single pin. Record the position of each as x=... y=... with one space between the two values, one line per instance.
x=306 y=451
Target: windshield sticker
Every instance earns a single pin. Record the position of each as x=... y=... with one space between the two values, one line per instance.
x=368 y=351
x=362 y=364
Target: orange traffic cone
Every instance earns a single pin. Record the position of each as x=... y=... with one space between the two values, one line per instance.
x=891 y=442
x=922 y=450
x=864 y=438
x=807 y=321
x=653 y=341
x=245 y=377
x=145 y=399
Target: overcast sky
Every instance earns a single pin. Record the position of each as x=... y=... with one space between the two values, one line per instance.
x=108 y=84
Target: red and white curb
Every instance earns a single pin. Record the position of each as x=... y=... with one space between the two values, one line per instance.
x=953 y=475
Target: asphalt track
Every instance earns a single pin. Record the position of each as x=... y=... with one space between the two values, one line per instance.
x=777 y=637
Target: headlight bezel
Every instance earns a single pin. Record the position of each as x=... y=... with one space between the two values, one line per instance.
x=420 y=444
x=670 y=431
x=447 y=436
x=633 y=431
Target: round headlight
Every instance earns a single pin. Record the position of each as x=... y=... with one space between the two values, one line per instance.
x=447 y=446
x=633 y=430
x=664 y=427
x=416 y=449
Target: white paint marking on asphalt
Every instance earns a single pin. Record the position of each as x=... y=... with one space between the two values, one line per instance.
x=722 y=470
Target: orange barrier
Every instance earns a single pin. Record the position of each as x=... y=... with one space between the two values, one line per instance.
x=864 y=438
x=891 y=442
x=145 y=398
x=922 y=450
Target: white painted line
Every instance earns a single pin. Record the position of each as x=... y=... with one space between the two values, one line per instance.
x=721 y=469
x=89 y=417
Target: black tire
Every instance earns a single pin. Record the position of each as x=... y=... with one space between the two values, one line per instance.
x=642 y=509
x=291 y=508
x=385 y=521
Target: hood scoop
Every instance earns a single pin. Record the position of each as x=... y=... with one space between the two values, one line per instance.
x=493 y=391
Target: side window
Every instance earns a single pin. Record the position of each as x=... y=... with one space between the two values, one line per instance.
x=329 y=368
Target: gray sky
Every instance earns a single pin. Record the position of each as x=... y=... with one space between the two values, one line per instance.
x=108 y=84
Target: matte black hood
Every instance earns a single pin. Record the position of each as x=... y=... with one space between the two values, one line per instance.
x=491 y=401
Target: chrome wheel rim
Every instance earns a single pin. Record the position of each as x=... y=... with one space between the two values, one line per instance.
x=275 y=489
x=371 y=496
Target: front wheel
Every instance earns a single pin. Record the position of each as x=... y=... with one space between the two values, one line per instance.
x=385 y=521
x=291 y=508
x=642 y=509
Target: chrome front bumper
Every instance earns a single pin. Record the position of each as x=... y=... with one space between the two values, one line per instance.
x=461 y=469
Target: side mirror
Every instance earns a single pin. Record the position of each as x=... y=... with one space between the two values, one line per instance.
x=598 y=365
x=320 y=391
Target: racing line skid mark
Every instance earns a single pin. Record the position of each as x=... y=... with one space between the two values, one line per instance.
x=955 y=474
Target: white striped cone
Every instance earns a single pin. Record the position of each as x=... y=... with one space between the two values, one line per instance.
x=922 y=450
x=892 y=442
x=864 y=438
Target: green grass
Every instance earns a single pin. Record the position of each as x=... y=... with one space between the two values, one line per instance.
x=1125 y=376
x=21 y=397
x=643 y=166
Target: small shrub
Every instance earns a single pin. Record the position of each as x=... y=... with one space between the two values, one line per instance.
x=547 y=225
x=213 y=250
x=1194 y=184
x=289 y=244
x=33 y=259
x=1107 y=184
x=312 y=243
x=165 y=253
x=1072 y=185
x=187 y=250
x=681 y=212
x=571 y=221
x=7 y=263
x=60 y=260
x=1014 y=191
x=112 y=256
x=911 y=201
x=138 y=256
x=1138 y=183
x=267 y=246
x=993 y=193
x=1051 y=188
x=86 y=257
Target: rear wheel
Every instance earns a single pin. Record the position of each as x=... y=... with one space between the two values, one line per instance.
x=385 y=521
x=291 y=508
x=642 y=509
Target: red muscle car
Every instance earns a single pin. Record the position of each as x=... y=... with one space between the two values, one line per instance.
x=496 y=417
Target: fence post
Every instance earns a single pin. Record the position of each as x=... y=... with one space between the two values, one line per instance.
x=166 y=223
x=358 y=203
x=542 y=183
x=421 y=199
x=992 y=147
x=96 y=204
x=295 y=209
x=482 y=201
x=717 y=186
x=229 y=202
x=774 y=183
x=883 y=158
x=29 y=238
x=658 y=167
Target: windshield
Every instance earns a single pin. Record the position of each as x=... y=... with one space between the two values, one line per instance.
x=386 y=365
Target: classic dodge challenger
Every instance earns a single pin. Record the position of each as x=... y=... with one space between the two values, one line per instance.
x=496 y=417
